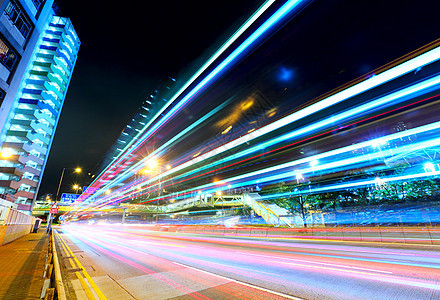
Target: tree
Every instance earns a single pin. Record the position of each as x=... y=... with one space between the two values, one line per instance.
x=295 y=203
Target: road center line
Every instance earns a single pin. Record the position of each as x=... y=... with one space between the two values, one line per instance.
x=240 y=282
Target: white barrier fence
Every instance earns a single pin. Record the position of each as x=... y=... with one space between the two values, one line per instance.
x=9 y=215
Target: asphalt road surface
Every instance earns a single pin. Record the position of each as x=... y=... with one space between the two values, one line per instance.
x=133 y=262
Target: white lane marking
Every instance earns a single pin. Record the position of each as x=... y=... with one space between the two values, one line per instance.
x=240 y=282
x=317 y=263
x=250 y=270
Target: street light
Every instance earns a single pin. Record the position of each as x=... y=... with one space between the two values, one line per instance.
x=77 y=170
x=153 y=164
x=76 y=187
x=5 y=153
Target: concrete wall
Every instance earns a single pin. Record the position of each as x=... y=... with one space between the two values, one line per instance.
x=9 y=233
x=428 y=235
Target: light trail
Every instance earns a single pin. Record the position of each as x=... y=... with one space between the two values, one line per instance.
x=205 y=66
x=425 y=86
x=158 y=152
x=191 y=173
x=288 y=172
x=274 y=19
x=299 y=265
x=381 y=103
x=286 y=169
x=137 y=257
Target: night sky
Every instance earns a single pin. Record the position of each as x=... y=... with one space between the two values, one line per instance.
x=127 y=50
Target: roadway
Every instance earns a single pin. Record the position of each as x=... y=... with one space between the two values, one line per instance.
x=133 y=262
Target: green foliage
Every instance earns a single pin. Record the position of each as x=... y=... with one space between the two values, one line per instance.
x=381 y=193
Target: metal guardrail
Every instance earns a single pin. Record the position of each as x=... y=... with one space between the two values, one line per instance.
x=53 y=287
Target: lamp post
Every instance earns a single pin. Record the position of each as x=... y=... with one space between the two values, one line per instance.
x=77 y=170
x=154 y=165
x=157 y=201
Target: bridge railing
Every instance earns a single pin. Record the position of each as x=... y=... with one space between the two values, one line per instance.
x=266 y=213
x=277 y=217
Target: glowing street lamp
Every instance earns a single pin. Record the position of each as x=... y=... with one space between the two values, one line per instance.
x=76 y=187
x=146 y=171
x=5 y=153
x=152 y=163
x=77 y=170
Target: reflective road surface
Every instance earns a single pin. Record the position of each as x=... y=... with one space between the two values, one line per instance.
x=133 y=262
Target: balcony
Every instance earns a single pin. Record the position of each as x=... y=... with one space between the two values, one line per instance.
x=24 y=207
x=16 y=184
x=37 y=103
x=25 y=194
x=39 y=114
x=31 y=136
x=18 y=171
x=26 y=147
x=52 y=88
x=12 y=170
x=31 y=170
x=37 y=125
x=25 y=159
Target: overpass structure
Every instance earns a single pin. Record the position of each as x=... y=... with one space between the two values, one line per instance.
x=271 y=213
x=44 y=209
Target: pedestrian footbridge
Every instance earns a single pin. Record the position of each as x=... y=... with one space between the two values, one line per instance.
x=271 y=213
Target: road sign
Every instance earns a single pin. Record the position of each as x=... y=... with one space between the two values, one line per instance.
x=54 y=208
x=69 y=198
x=89 y=190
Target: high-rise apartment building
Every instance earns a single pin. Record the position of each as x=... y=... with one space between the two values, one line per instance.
x=38 y=51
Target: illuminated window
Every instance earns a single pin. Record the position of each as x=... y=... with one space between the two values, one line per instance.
x=7 y=55
x=2 y=96
x=37 y=3
x=15 y=13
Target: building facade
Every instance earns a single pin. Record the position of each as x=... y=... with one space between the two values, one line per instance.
x=38 y=52
x=146 y=112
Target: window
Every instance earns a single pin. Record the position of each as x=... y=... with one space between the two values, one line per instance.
x=31 y=164
x=7 y=56
x=2 y=96
x=17 y=16
x=37 y=3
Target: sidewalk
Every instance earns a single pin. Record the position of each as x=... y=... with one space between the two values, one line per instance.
x=22 y=266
